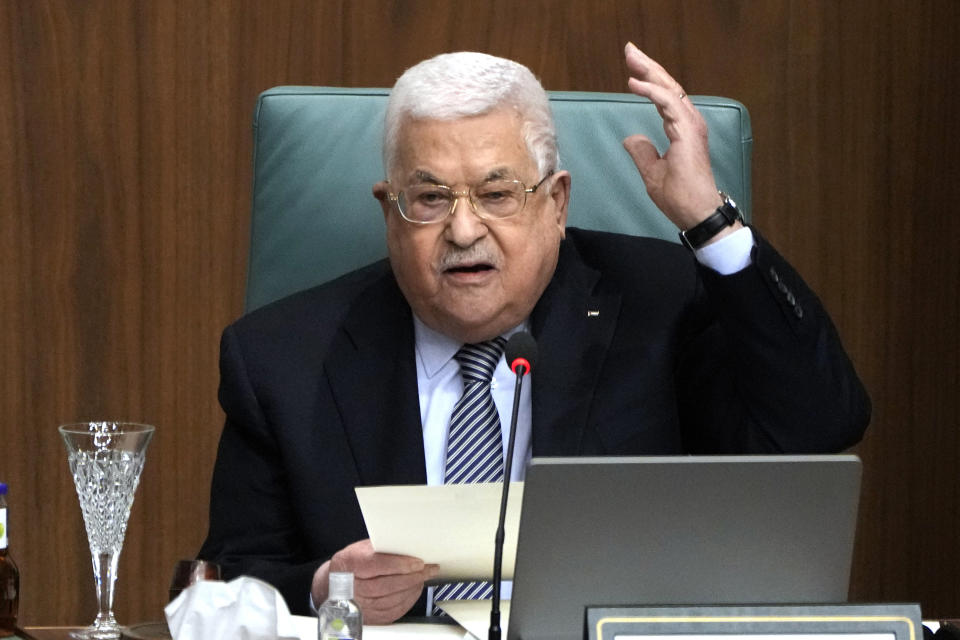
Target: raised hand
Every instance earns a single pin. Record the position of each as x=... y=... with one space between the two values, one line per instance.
x=680 y=182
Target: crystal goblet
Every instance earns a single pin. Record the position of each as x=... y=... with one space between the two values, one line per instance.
x=106 y=459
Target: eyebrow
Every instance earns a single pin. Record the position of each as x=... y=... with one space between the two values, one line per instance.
x=498 y=173
x=421 y=176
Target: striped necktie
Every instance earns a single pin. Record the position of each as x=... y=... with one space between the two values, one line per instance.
x=474 y=443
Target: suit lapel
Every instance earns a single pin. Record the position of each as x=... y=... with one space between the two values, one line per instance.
x=573 y=324
x=373 y=378
x=371 y=369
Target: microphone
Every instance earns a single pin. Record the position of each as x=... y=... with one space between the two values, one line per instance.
x=521 y=351
x=521 y=354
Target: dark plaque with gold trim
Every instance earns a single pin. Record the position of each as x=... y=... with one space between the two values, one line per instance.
x=762 y=622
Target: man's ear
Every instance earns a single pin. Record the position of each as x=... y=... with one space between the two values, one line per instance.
x=380 y=191
x=560 y=195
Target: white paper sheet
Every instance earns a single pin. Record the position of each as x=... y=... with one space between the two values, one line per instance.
x=452 y=525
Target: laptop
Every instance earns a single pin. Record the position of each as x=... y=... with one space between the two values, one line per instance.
x=680 y=530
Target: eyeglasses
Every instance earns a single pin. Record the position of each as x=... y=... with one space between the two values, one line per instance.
x=493 y=200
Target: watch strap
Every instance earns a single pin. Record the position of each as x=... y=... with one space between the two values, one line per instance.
x=725 y=215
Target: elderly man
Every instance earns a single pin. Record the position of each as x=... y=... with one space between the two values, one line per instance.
x=646 y=347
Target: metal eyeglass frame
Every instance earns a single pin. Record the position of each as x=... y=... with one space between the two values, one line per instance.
x=468 y=194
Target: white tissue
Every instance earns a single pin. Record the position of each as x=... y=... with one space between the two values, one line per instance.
x=242 y=609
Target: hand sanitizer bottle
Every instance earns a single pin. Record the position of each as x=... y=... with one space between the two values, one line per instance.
x=340 y=617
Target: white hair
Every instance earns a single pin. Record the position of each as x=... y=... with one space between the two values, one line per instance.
x=462 y=84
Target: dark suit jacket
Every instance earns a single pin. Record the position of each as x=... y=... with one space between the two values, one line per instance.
x=320 y=389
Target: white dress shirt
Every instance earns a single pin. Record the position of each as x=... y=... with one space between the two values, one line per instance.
x=440 y=386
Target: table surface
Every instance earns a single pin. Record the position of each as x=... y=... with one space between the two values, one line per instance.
x=403 y=631
x=63 y=633
x=50 y=633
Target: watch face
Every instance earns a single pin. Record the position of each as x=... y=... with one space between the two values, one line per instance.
x=727 y=199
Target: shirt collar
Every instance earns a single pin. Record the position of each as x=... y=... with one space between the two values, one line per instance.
x=435 y=349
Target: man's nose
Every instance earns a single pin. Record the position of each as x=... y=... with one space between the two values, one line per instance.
x=464 y=226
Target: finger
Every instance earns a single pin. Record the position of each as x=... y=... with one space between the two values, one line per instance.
x=388 y=609
x=643 y=152
x=649 y=70
x=379 y=564
x=672 y=109
x=686 y=102
x=386 y=598
x=384 y=586
x=360 y=559
x=680 y=121
x=646 y=69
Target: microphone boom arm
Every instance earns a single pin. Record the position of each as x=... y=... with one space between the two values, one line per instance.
x=520 y=368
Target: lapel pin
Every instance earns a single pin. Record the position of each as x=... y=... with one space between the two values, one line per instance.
x=593 y=313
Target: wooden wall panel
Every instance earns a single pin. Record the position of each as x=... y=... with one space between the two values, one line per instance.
x=124 y=197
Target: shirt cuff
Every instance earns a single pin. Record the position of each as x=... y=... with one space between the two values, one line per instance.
x=729 y=254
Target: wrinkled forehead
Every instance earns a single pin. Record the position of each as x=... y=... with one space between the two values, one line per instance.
x=474 y=147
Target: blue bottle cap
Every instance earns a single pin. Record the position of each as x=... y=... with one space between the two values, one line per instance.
x=3 y=488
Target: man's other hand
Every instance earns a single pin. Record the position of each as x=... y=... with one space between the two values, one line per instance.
x=385 y=585
x=680 y=182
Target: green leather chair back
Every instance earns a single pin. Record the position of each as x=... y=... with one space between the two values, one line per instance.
x=317 y=155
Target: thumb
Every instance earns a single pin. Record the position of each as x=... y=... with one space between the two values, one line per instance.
x=643 y=152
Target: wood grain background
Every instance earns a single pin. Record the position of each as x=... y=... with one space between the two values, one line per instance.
x=124 y=208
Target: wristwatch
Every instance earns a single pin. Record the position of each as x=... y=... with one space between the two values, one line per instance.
x=725 y=215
